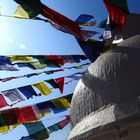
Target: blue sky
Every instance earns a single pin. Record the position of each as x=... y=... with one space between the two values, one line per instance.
x=22 y=37
x=38 y=37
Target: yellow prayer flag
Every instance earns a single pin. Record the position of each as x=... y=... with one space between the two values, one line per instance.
x=38 y=65
x=43 y=88
x=21 y=13
x=78 y=67
x=61 y=103
x=20 y=59
x=64 y=102
x=15 y=125
x=4 y=128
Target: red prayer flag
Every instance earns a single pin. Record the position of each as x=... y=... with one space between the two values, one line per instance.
x=63 y=123
x=3 y=102
x=63 y=23
x=26 y=114
x=117 y=15
x=60 y=83
x=58 y=59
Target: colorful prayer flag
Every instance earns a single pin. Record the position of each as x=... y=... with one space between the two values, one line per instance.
x=60 y=83
x=117 y=10
x=20 y=59
x=43 y=88
x=83 y=18
x=13 y=95
x=3 y=102
x=27 y=91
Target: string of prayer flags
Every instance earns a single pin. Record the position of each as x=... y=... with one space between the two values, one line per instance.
x=7 y=62
x=45 y=72
x=16 y=95
x=34 y=112
x=63 y=23
x=117 y=10
x=38 y=131
x=84 y=19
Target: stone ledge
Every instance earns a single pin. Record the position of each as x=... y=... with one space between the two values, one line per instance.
x=114 y=117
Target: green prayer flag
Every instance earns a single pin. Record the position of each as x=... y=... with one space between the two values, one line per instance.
x=37 y=130
x=31 y=7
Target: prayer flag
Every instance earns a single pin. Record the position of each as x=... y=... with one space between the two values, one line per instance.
x=8 y=67
x=20 y=59
x=9 y=117
x=58 y=104
x=61 y=22
x=32 y=8
x=117 y=10
x=21 y=13
x=7 y=79
x=53 y=128
x=83 y=18
x=43 y=88
x=13 y=95
x=53 y=83
x=4 y=60
x=65 y=102
x=25 y=65
x=27 y=91
x=4 y=128
x=3 y=102
x=43 y=108
x=38 y=65
x=55 y=109
x=63 y=123
x=60 y=83
x=26 y=114
x=34 y=127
